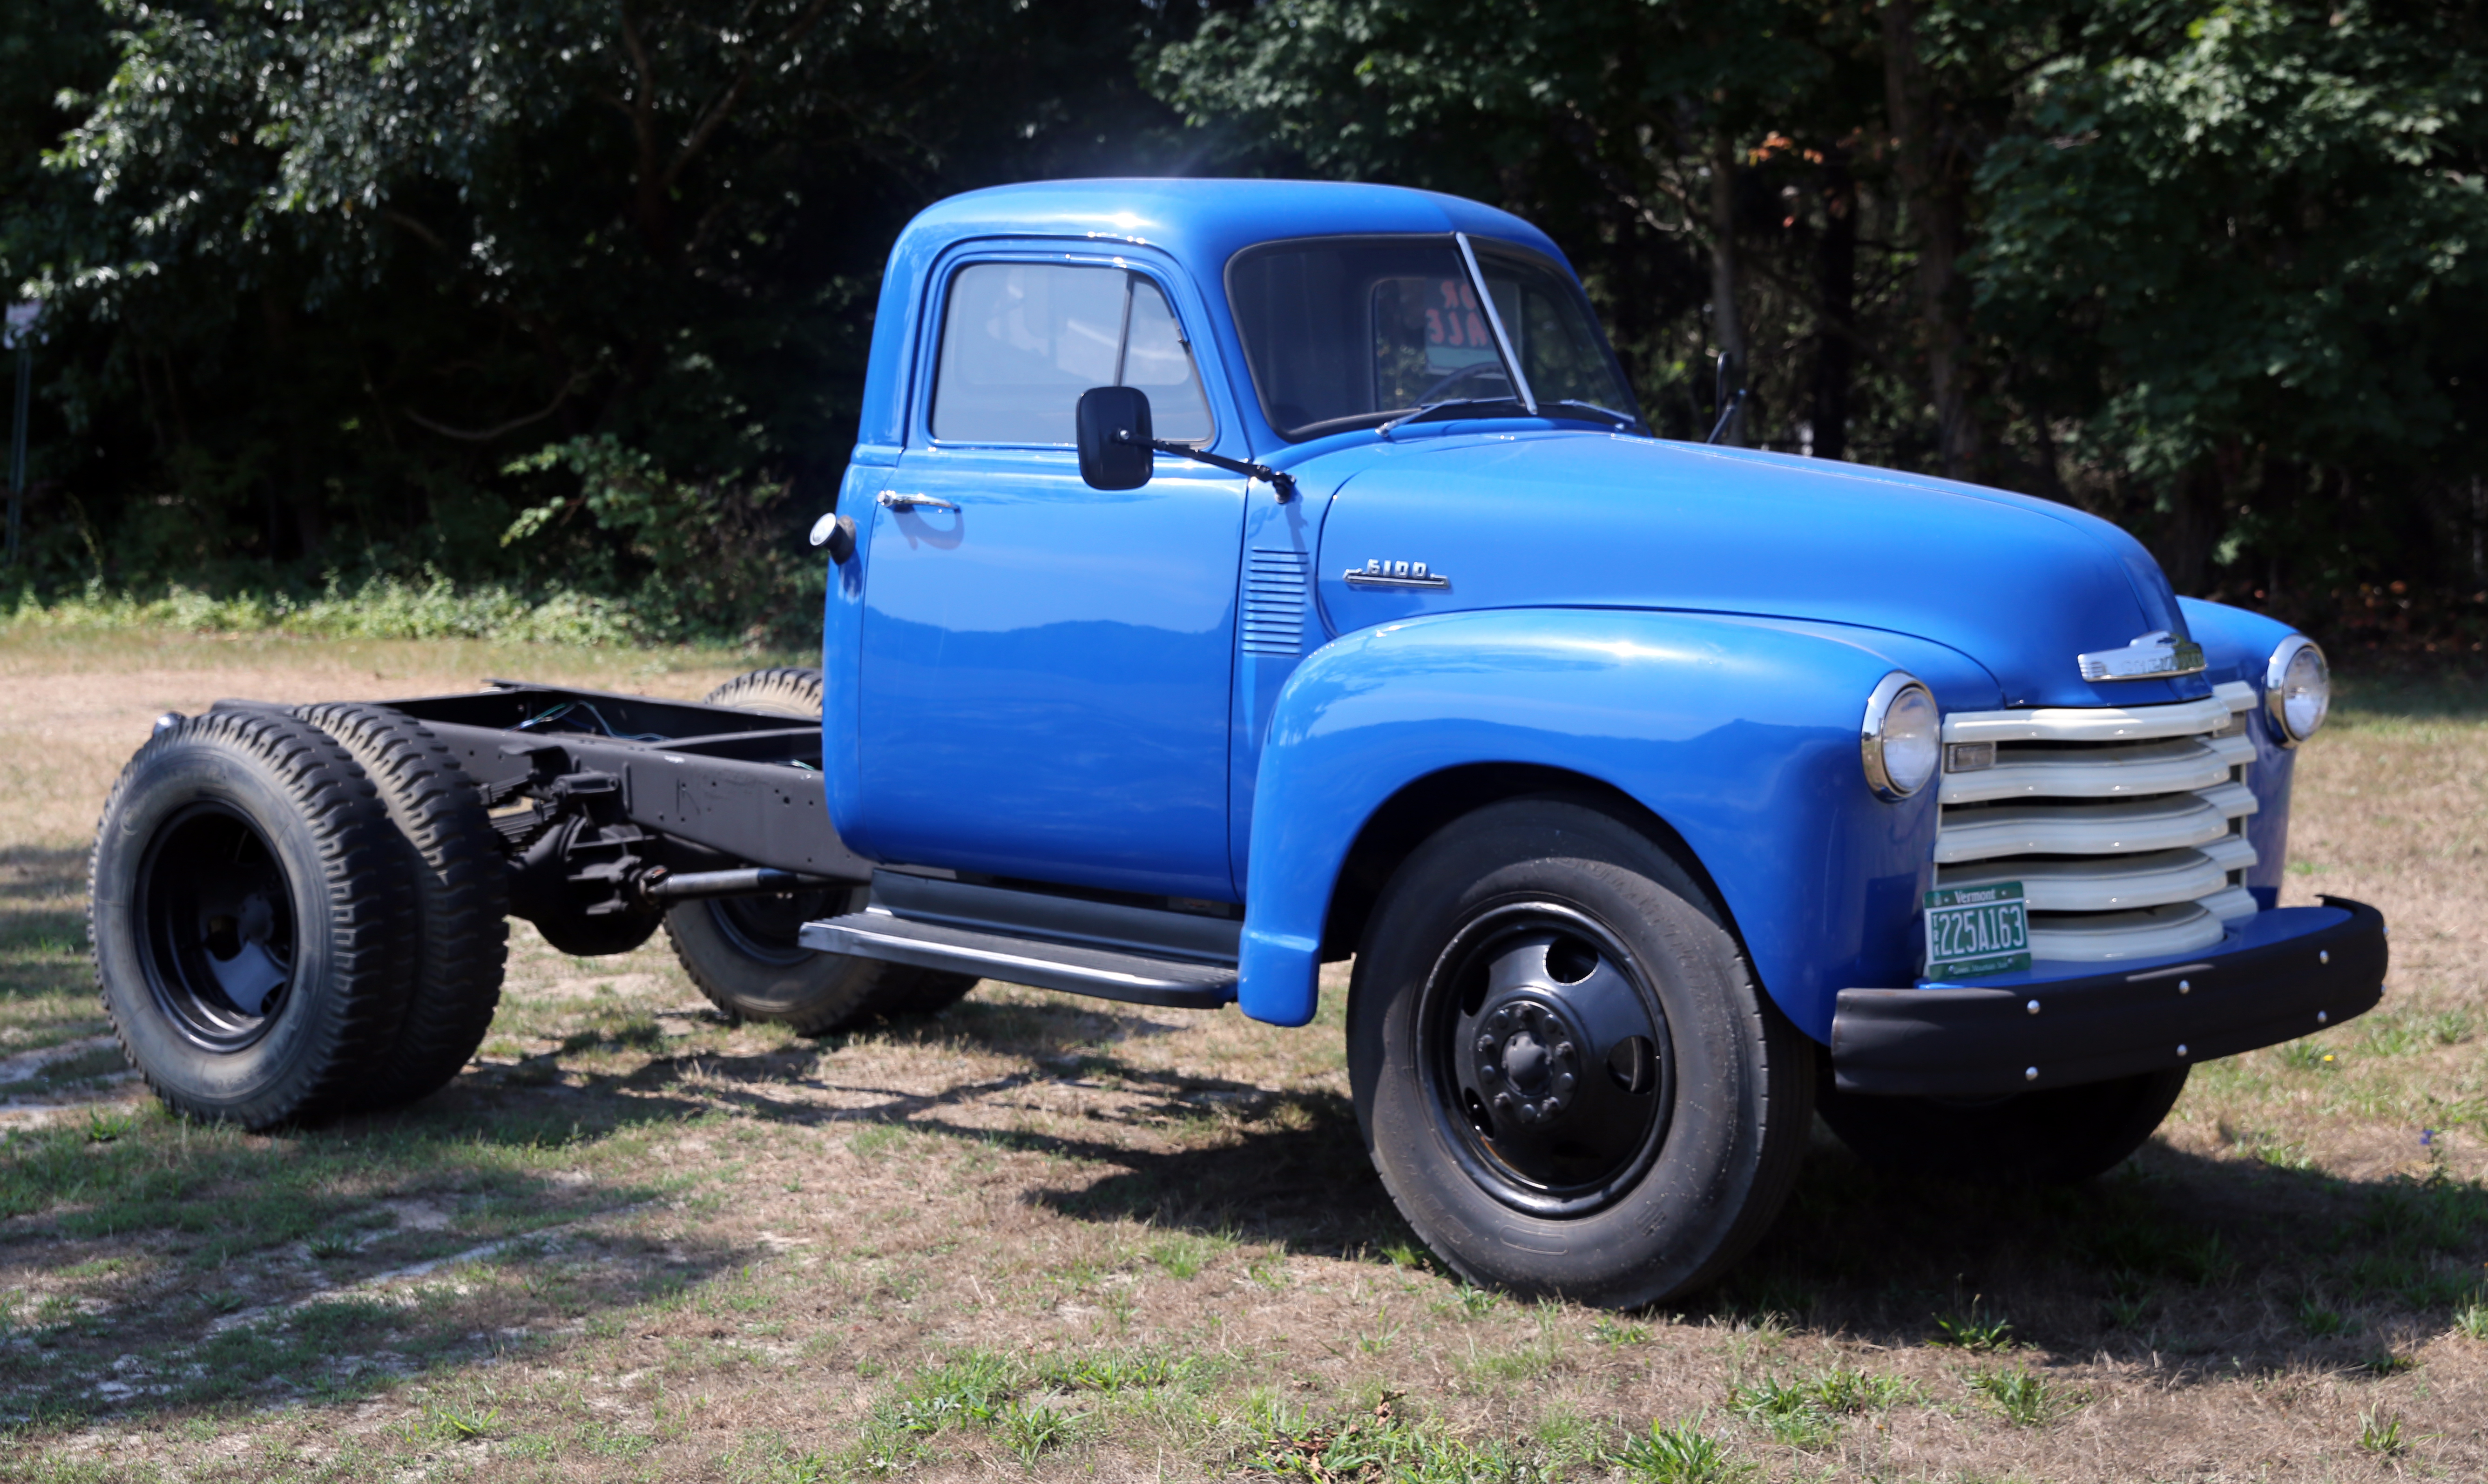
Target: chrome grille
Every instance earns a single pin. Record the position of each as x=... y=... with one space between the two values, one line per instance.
x=1274 y=603
x=2125 y=827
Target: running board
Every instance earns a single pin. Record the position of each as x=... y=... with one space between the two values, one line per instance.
x=1076 y=968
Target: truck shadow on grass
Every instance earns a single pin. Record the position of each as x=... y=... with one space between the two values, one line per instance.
x=150 y=1264
x=2187 y=1264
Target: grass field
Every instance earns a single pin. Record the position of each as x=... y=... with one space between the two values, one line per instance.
x=1045 y=1238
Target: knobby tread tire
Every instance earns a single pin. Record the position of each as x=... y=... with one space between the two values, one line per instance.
x=462 y=895
x=353 y=944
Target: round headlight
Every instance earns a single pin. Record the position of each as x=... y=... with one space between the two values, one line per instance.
x=2297 y=689
x=1902 y=738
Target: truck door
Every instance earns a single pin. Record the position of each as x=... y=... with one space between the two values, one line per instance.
x=1044 y=667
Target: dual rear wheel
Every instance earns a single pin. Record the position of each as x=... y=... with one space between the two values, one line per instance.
x=295 y=915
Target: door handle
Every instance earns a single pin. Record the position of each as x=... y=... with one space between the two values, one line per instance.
x=910 y=501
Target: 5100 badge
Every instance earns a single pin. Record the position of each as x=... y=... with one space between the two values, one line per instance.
x=1977 y=930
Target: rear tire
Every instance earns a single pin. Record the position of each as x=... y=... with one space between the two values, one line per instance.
x=253 y=929
x=1561 y=1065
x=2063 y=1136
x=744 y=953
x=462 y=896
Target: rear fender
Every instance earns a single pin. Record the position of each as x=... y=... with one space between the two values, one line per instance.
x=1741 y=733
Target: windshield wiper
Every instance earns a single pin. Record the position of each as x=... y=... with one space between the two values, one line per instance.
x=1414 y=413
x=1623 y=419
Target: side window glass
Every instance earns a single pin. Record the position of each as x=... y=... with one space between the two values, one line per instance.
x=1021 y=341
x=1157 y=361
x=1020 y=344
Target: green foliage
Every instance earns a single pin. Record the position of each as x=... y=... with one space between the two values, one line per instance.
x=2026 y=1397
x=535 y=315
x=1683 y=1454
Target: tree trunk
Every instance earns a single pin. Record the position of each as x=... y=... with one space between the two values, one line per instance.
x=1727 y=329
x=1935 y=195
x=1835 y=350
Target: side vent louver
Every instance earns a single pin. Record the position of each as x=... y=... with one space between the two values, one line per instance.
x=1274 y=603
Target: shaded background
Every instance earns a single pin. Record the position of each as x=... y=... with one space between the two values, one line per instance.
x=535 y=297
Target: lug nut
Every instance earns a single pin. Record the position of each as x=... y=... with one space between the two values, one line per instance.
x=1486 y=1046
x=1503 y=1103
x=1488 y=1071
x=1562 y=1051
x=1529 y=1113
x=1563 y=1083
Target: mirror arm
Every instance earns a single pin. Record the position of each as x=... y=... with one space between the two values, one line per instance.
x=1284 y=484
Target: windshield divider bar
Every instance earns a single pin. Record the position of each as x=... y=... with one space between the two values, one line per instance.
x=1494 y=322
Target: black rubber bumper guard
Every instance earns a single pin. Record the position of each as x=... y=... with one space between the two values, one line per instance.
x=1975 y=1043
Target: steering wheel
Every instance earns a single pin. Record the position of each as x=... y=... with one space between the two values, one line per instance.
x=1473 y=369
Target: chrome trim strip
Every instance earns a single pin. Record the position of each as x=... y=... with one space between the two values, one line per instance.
x=1358 y=577
x=2089 y=723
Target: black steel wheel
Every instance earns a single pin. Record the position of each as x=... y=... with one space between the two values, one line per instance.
x=2062 y=1135
x=462 y=895
x=745 y=953
x=1563 y=1068
x=250 y=918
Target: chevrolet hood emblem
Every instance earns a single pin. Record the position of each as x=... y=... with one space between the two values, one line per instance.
x=2148 y=658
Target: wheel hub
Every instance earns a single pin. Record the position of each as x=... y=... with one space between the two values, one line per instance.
x=219 y=928
x=1547 y=1058
x=1528 y=1060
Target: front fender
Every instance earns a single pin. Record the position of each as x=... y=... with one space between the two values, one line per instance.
x=1741 y=733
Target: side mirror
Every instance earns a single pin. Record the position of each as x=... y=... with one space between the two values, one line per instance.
x=1115 y=434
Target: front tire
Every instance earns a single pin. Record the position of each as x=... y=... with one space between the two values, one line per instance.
x=1563 y=1068
x=745 y=953
x=2063 y=1136
x=253 y=929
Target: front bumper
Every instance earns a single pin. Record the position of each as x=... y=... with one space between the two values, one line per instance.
x=2281 y=975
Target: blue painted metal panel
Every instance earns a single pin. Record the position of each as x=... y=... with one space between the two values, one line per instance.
x=1521 y=518
x=1741 y=735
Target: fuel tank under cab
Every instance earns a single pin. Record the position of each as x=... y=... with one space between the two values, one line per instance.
x=2018 y=587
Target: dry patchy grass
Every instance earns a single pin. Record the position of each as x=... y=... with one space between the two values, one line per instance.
x=1043 y=1237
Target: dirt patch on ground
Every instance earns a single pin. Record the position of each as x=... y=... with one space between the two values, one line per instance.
x=1044 y=1237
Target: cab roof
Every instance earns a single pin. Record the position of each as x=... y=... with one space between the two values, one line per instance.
x=1203 y=222
x=1199 y=223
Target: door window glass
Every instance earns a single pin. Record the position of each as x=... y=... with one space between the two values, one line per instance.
x=1021 y=341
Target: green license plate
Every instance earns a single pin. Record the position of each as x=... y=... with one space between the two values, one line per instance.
x=1977 y=930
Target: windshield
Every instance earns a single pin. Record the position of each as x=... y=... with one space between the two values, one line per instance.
x=1352 y=332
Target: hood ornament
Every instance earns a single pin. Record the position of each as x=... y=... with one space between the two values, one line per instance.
x=2148 y=658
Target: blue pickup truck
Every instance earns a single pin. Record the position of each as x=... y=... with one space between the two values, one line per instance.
x=1233 y=576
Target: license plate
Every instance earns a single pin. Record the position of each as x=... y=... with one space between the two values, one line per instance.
x=1977 y=930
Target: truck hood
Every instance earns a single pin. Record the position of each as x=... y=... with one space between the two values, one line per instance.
x=1521 y=518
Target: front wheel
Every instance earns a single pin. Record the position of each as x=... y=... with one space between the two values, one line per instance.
x=2063 y=1136
x=1563 y=1068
